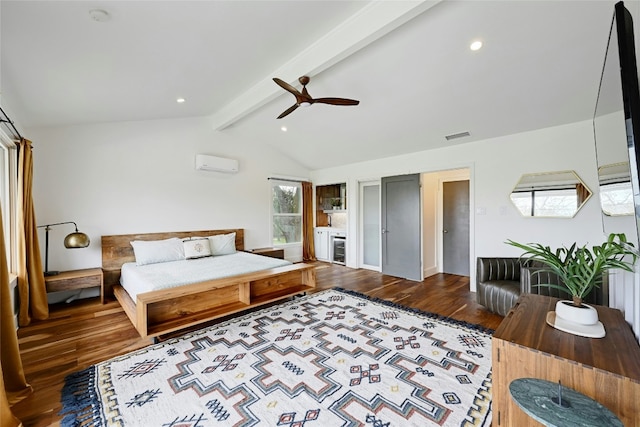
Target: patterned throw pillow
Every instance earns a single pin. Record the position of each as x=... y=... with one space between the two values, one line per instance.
x=196 y=248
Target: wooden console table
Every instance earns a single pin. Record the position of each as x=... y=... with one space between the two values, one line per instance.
x=605 y=369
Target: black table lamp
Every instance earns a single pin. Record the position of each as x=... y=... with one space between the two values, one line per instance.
x=72 y=241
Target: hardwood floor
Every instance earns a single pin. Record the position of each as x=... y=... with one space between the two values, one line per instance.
x=85 y=332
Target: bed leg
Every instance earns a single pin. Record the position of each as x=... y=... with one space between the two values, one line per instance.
x=155 y=340
x=300 y=295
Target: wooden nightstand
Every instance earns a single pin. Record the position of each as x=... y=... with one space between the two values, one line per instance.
x=76 y=279
x=270 y=252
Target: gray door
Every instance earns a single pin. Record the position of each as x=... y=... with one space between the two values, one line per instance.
x=455 y=227
x=401 y=226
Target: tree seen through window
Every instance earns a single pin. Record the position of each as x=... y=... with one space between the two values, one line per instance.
x=287 y=212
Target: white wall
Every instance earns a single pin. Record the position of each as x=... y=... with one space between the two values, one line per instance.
x=495 y=165
x=138 y=177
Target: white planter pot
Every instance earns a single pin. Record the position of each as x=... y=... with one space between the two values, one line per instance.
x=583 y=315
x=581 y=320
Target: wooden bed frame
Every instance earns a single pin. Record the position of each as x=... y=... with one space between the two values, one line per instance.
x=160 y=312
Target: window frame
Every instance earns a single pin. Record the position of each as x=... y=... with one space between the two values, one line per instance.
x=8 y=197
x=274 y=182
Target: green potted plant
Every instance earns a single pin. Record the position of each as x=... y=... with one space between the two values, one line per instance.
x=581 y=269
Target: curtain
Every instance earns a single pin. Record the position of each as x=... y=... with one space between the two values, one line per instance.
x=13 y=385
x=308 y=250
x=31 y=286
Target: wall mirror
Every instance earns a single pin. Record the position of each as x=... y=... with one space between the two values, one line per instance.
x=550 y=194
x=616 y=194
x=616 y=123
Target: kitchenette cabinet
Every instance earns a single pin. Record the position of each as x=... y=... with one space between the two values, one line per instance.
x=330 y=199
x=331 y=223
x=330 y=244
x=321 y=243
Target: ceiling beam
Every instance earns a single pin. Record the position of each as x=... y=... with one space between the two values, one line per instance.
x=369 y=24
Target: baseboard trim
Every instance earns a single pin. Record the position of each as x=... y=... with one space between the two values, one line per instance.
x=430 y=271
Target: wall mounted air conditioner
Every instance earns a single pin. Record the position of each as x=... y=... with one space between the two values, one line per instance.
x=218 y=164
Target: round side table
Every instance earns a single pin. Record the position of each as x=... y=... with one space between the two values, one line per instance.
x=557 y=406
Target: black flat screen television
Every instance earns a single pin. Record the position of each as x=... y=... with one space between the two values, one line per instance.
x=617 y=130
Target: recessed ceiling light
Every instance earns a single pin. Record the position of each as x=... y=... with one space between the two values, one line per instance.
x=283 y=128
x=180 y=100
x=476 y=45
x=99 y=15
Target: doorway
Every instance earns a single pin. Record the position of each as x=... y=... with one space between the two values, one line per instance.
x=431 y=220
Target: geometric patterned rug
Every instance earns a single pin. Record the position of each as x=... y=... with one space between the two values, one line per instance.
x=332 y=358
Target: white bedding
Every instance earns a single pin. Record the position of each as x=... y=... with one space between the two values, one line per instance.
x=137 y=279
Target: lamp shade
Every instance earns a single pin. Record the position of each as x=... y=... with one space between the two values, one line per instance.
x=76 y=240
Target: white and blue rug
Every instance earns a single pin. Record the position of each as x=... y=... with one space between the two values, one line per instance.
x=333 y=358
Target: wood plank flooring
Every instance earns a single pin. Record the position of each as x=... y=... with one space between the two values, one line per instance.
x=85 y=332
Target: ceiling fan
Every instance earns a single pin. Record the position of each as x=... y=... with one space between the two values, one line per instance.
x=303 y=99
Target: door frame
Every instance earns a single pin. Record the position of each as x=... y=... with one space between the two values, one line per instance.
x=462 y=174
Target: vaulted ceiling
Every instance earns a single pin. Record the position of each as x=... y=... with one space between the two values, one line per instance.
x=408 y=62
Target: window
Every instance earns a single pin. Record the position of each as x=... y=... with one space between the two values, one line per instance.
x=286 y=212
x=8 y=182
x=550 y=203
x=617 y=198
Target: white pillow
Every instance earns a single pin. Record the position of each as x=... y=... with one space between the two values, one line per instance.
x=223 y=244
x=196 y=248
x=155 y=251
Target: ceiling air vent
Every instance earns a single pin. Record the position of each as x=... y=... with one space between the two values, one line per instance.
x=457 y=135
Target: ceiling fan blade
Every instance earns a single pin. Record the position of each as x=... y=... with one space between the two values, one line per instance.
x=286 y=86
x=303 y=98
x=335 y=101
x=288 y=111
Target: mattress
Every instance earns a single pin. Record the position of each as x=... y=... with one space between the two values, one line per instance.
x=138 y=279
